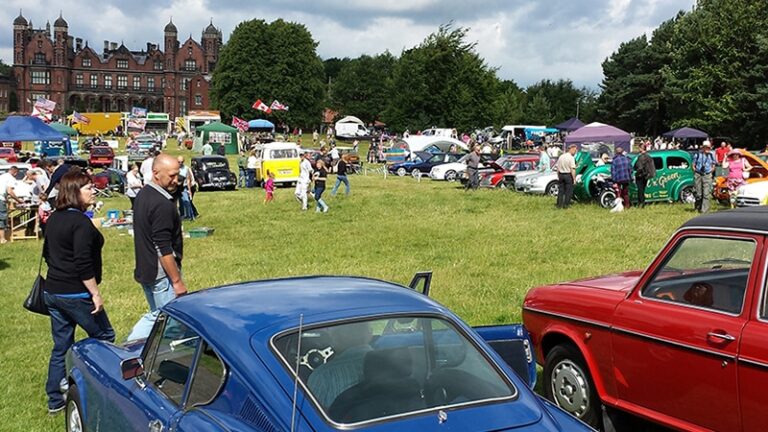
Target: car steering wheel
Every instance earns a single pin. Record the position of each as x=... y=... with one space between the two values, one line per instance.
x=316 y=357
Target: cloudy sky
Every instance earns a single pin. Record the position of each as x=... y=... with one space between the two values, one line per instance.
x=527 y=40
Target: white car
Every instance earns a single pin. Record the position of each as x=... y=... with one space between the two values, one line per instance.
x=541 y=183
x=454 y=170
x=752 y=194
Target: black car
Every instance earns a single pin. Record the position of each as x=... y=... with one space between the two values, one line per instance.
x=212 y=172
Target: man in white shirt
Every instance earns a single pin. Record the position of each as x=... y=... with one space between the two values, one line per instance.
x=250 y=170
x=146 y=169
x=305 y=174
x=207 y=149
x=7 y=185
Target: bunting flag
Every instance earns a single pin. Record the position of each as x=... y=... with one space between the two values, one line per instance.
x=136 y=123
x=240 y=124
x=42 y=104
x=138 y=112
x=277 y=106
x=261 y=106
x=79 y=118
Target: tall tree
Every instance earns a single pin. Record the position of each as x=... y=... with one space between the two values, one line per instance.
x=360 y=86
x=443 y=82
x=508 y=104
x=5 y=70
x=269 y=61
x=561 y=96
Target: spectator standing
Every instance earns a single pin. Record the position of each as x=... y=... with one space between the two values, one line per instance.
x=242 y=163
x=184 y=191
x=133 y=183
x=720 y=155
x=315 y=137
x=207 y=149
x=341 y=177
x=305 y=175
x=644 y=171
x=72 y=250
x=52 y=191
x=146 y=168
x=320 y=177
x=158 y=242
x=545 y=163
x=566 y=175
x=250 y=169
x=738 y=170
x=7 y=194
x=269 y=187
x=703 y=167
x=473 y=167
x=221 y=150
x=621 y=174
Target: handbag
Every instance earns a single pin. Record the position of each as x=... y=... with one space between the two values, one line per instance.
x=35 y=301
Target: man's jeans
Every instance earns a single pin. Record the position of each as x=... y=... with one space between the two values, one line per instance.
x=158 y=293
x=241 y=178
x=702 y=184
x=339 y=180
x=66 y=314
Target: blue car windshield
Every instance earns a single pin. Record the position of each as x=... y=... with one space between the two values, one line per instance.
x=384 y=368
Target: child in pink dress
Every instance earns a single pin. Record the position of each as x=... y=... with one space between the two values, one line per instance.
x=269 y=186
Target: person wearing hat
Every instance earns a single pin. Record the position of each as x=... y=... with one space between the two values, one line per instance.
x=738 y=170
x=621 y=174
x=703 y=166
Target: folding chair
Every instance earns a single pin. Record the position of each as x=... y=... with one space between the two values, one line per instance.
x=101 y=186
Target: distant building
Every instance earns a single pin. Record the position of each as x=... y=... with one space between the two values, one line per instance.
x=77 y=77
x=7 y=87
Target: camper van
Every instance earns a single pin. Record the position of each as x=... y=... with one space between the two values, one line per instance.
x=280 y=158
x=512 y=136
x=351 y=127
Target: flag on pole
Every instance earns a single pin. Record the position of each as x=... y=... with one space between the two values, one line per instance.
x=138 y=112
x=277 y=106
x=240 y=124
x=261 y=106
x=41 y=114
x=79 y=118
x=43 y=104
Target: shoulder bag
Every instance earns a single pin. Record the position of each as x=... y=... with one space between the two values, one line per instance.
x=35 y=301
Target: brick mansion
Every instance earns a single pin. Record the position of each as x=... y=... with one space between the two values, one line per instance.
x=112 y=78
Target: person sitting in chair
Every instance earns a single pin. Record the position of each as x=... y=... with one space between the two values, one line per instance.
x=699 y=294
x=345 y=368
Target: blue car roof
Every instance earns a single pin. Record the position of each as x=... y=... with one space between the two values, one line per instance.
x=240 y=310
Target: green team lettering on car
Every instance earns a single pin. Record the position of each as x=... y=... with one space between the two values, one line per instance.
x=673 y=180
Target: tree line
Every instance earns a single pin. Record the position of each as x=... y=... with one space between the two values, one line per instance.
x=441 y=82
x=706 y=68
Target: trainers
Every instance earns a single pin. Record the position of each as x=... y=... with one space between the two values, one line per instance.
x=56 y=410
x=325 y=210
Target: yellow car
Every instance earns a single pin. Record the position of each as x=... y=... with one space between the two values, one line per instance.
x=280 y=158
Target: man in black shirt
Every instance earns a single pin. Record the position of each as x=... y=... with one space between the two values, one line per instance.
x=158 y=242
x=341 y=177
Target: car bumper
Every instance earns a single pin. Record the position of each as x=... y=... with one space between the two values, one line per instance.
x=747 y=201
x=534 y=189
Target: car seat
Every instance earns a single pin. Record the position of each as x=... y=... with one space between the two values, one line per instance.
x=700 y=294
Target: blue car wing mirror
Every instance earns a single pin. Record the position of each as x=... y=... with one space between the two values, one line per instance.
x=421 y=282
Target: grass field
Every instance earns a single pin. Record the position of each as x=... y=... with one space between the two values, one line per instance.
x=486 y=249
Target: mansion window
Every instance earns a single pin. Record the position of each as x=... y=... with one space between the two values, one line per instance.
x=122 y=81
x=162 y=82
x=136 y=83
x=39 y=58
x=190 y=65
x=185 y=83
x=108 y=81
x=198 y=99
x=79 y=80
x=86 y=62
x=94 y=80
x=41 y=77
x=122 y=64
x=151 y=84
x=158 y=65
x=183 y=107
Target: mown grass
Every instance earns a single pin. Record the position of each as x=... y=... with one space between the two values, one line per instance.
x=486 y=249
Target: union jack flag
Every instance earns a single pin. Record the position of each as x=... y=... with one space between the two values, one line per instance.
x=277 y=106
x=240 y=124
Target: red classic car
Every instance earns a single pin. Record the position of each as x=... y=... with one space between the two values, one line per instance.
x=101 y=156
x=505 y=166
x=8 y=154
x=683 y=343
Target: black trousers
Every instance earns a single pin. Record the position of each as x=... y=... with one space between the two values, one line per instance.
x=641 y=183
x=564 y=190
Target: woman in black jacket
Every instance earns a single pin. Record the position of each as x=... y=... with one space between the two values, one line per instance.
x=72 y=251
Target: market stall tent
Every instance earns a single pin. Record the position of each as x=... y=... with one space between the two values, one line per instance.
x=598 y=138
x=65 y=129
x=26 y=128
x=216 y=133
x=261 y=124
x=685 y=133
x=570 y=125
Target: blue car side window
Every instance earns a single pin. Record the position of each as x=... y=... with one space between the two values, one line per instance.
x=170 y=368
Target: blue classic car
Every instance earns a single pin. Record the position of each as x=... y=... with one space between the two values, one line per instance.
x=310 y=354
x=422 y=163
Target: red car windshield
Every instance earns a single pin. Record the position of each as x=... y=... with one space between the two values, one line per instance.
x=103 y=151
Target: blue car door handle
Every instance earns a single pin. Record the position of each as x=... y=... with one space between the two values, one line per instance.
x=155 y=426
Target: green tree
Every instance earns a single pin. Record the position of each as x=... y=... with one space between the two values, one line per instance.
x=442 y=82
x=561 y=97
x=539 y=111
x=360 y=86
x=5 y=70
x=508 y=104
x=269 y=61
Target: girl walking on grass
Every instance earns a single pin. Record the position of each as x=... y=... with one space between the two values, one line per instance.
x=321 y=175
x=269 y=186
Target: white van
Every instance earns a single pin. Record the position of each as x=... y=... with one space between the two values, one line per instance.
x=510 y=132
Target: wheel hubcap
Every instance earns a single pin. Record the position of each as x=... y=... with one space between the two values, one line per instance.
x=74 y=422
x=570 y=388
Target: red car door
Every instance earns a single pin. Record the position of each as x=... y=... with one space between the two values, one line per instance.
x=753 y=365
x=676 y=336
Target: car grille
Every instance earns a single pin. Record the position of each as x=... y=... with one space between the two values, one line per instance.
x=747 y=202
